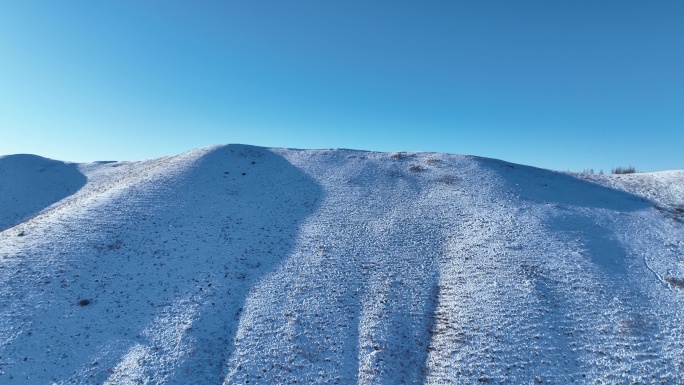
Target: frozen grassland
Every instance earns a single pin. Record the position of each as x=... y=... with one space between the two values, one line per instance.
x=238 y=264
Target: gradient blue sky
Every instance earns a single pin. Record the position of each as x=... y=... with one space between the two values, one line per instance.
x=560 y=85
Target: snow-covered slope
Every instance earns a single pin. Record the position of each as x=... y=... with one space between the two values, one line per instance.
x=29 y=184
x=238 y=264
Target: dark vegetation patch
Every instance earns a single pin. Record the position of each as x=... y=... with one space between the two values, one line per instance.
x=116 y=245
x=448 y=179
x=675 y=213
x=675 y=282
x=623 y=170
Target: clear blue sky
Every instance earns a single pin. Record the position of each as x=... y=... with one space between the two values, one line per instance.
x=554 y=84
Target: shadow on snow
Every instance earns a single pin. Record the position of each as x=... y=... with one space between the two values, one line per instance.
x=30 y=184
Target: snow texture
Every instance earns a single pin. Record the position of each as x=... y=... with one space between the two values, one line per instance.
x=238 y=264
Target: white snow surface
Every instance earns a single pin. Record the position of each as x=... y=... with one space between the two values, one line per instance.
x=238 y=264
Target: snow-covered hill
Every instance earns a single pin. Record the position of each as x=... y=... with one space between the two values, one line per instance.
x=238 y=264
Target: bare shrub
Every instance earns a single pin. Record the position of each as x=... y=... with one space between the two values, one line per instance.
x=624 y=170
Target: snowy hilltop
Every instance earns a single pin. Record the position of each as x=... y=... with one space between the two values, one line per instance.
x=238 y=264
